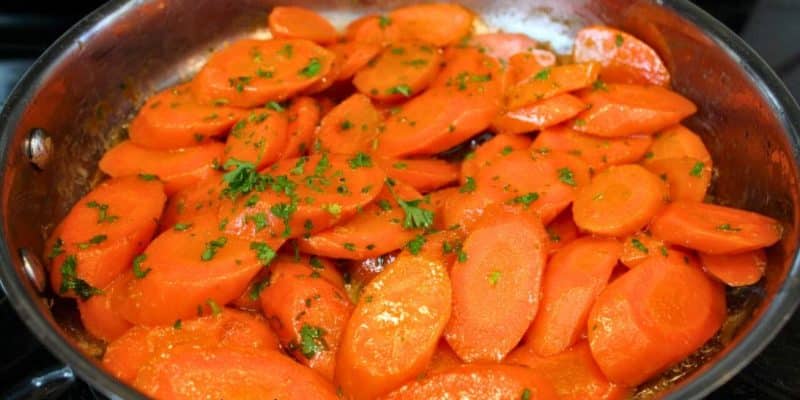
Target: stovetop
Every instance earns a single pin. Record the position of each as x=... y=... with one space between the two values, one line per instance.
x=27 y=28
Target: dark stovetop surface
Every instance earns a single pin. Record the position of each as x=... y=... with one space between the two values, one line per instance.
x=27 y=28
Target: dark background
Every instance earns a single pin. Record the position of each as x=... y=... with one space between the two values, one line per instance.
x=772 y=27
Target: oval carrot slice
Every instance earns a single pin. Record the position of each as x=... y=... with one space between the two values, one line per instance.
x=625 y=59
x=100 y=314
x=300 y=23
x=308 y=313
x=297 y=197
x=524 y=65
x=496 y=289
x=561 y=231
x=688 y=178
x=178 y=169
x=371 y=29
x=395 y=327
x=473 y=72
x=738 y=269
x=503 y=46
x=437 y=201
x=714 y=229
x=496 y=147
x=259 y=138
x=423 y=174
x=378 y=229
x=208 y=268
x=440 y=24
x=102 y=233
x=304 y=115
x=539 y=115
x=660 y=301
x=573 y=373
x=251 y=72
x=639 y=246
x=402 y=70
x=478 y=381
x=231 y=374
x=353 y=56
x=619 y=201
x=550 y=82
x=351 y=126
x=174 y=118
x=188 y=203
x=229 y=329
x=444 y=358
x=625 y=110
x=574 y=277
x=599 y=153
x=677 y=142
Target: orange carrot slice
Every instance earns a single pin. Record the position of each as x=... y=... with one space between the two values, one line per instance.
x=639 y=246
x=422 y=174
x=402 y=70
x=353 y=57
x=561 y=231
x=496 y=147
x=444 y=358
x=371 y=29
x=503 y=46
x=688 y=178
x=352 y=126
x=187 y=204
x=439 y=24
x=550 y=82
x=625 y=59
x=259 y=138
x=304 y=115
x=599 y=153
x=677 y=142
x=738 y=269
x=300 y=23
x=100 y=314
x=539 y=115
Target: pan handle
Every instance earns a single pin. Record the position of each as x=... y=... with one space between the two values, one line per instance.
x=50 y=384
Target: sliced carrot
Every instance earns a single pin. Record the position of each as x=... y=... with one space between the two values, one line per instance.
x=688 y=178
x=462 y=209
x=352 y=126
x=619 y=201
x=230 y=329
x=353 y=56
x=624 y=110
x=100 y=314
x=251 y=72
x=444 y=358
x=572 y=170
x=496 y=147
x=300 y=23
x=639 y=246
x=550 y=82
x=437 y=201
x=298 y=197
x=521 y=67
x=175 y=118
x=178 y=169
x=561 y=231
x=304 y=115
x=445 y=246
x=102 y=233
x=599 y=153
x=677 y=142
x=538 y=115
x=738 y=269
x=259 y=138
x=574 y=277
x=184 y=272
x=496 y=285
x=478 y=381
x=574 y=374
x=395 y=328
x=625 y=59
x=662 y=300
x=714 y=229
x=371 y=29
x=308 y=313
x=230 y=374
x=423 y=174
x=471 y=71
x=402 y=70
x=188 y=203
x=439 y=24
x=503 y=46
x=378 y=229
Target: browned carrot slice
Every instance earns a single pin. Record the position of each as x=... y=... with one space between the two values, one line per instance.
x=714 y=229
x=353 y=56
x=402 y=70
x=185 y=205
x=351 y=127
x=250 y=72
x=619 y=201
x=395 y=327
x=259 y=138
x=487 y=153
x=599 y=153
x=688 y=178
x=496 y=286
x=738 y=269
x=178 y=169
x=550 y=82
x=230 y=374
x=304 y=115
x=539 y=115
x=625 y=59
x=625 y=110
x=561 y=231
x=439 y=24
x=175 y=118
x=102 y=233
x=423 y=174
x=639 y=246
x=100 y=314
x=677 y=142
x=300 y=23
x=574 y=277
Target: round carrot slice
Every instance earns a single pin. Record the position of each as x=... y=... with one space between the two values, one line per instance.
x=259 y=138
x=714 y=229
x=625 y=59
x=439 y=24
x=178 y=169
x=303 y=115
x=688 y=178
x=371 y=29
x=493 y=149
x=175 y=118
x=353 y=57
x=639 y=246
x=401 y=70
x=550 y=82
x=539 y=115
x=250 y=72
x=187 y=204
x=395 y=328
x=300 y=23
x=619 y=201
x=599 y=153
x=522 y=66
x=677 y=142
x=423 y=174
x=496 y=286
x=738 y=269
x=100 y=314
x=351 y=127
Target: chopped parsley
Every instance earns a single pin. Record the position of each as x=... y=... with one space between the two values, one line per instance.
x=565 y=175
x=138 y=272
x=258 y=219
x=148 y=177
x=419 y=62
x=580 y=122
x=697 y=169
x=264 y=253
x=400 y=165
x=212 y=247
x=70 y=280
x=384 y=204
x=415 y=245
x=416 y=217
x=384 y=21
x=215 y=308
x=96 y=239
x=468 y=186
x=284 y=211
x=57 y=250
x=663 y=250
x=181 y=226
x=404 y=90
x=257 y=288
x=178 y=324
x=542 y=75
x=360 y=160
x=311 y=340
x=638 y=245
x=506 y=150
x=346 y=125
x=102 y=212
x=494 y=277
x=242 y=179
x=239 y=83
x=599 y=85
x=525 y=199
x=526 y=394
x=334 y=209
x=728 y=228
x=286 y=51
x=312 y=69
x=349 y=246
x=619 y=40
x=274 y=105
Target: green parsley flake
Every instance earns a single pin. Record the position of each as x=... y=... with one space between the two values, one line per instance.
x=312 y=340
x=526 y=199
x=286 y=51
x=404 y=90
x=312 y=69
x=181 y=226
x=728 y=228
x=565 y=175
x=638 y=245
x=258 y=219
x=542 y=75
x=242 y=179
x=384 y=204
x=346 y=125
x=506 y=150
x=95 y=240
x=178 y=324
x=264 y=253
x=274 y=105
x=360 y=160
x=399 y=165
x=334 y=209
x=57 y=250
x=256 y=288
x=599 y=85
x=212 y=247
x=148 y=177
x=349 y=246
x=102 y=212
x=526 y=394
x=619 y=40
x=138 y=272
x=697 y=169
x=663 y=250
x=468 y=186
x=415 y=245
x=494 y=277
x=215 y=308
x=416 y=217
x=580 y=122
x=384 y=21
x=70 y=280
